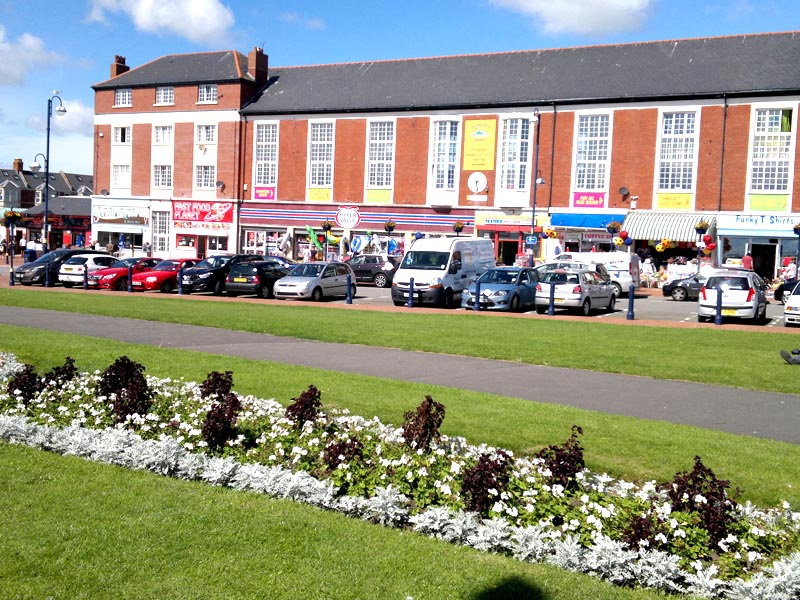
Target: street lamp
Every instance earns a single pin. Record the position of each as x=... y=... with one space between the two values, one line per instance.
x=60 y=110
x=536 y=182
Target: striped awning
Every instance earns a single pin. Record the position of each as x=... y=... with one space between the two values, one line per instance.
x=678 y=227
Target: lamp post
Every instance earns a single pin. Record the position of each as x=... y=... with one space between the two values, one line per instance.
x=536 y=182
x=60 y=110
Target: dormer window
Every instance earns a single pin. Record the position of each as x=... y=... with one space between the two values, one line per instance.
x=207 y=93
x=165 y=95
x=123 y=97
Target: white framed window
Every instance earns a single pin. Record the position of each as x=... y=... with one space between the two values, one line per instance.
x=266 y=154
x=122 y=135
x=515 y=142
x=592 y=152
x=165 y=94
x=678 y=155
x=162 y=176
x=207 y=93
x=320 y=156
x=380 y=154
x=445 y=142
x=771 y=160
x=162 y=134
x=205 y=176
x=123 y=97
x=206 y=134
x=121 y=176
x=161 y=220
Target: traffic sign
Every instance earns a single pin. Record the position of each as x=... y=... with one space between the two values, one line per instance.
x=531 y=240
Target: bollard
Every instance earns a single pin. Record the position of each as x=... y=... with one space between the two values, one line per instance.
x=477 y=305
x=718 y=315
x=349 y=298
x=180 y=280
x=631 y=294
x=47 y=275
x=130 y=279
x=85 y=277
x=551 y=307
x=11 y=275
x=411 y=293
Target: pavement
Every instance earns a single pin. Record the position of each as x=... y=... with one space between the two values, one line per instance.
x=760 y=414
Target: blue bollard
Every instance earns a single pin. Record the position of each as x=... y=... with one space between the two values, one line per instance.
x=477 y=305
x=130 y=279
x=85 y=278
x=11 y=275
x=180 y=280
x=47 y=275
x=551 y=307
x=631 y=294
x=411 y=293
x=718 y=315
x=349 y=298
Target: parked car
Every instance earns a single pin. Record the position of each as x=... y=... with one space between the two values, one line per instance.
x=784 y=289
x=554 y=265
x=374 y=268
x=162 y=277
x=286 y=262
x=73 y=270
x=256 y=278
x=315 y=281
x=209 y=274
x=581 y=290
x=791 y=310
x=687 y=288
x=743 y=296
x=502 y=288
x=46 y=267
x=115 y=277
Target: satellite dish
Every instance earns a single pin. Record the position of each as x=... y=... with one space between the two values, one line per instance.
x=104 y=192
x=624 y=191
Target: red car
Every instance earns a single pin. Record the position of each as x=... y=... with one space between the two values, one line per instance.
x=164 y=276
x=115 y=277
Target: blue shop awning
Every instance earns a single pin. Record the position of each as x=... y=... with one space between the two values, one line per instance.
x=584 y=220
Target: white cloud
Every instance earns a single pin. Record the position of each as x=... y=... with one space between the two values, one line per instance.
x=307 y=22
x=200 y=21
x=22 y=55
x=583 y=17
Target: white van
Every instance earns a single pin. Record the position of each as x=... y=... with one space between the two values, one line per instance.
x=623 y=267
x=441 y=269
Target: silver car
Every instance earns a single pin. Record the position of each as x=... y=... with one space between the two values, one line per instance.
x=743 y=296
x=584 y=291
x=315 y=281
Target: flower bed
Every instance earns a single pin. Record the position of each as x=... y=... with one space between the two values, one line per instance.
x=686 y=536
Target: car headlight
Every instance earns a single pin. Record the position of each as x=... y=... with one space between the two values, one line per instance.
x=204 y=275
x=436 y=282
x=108 y=277
x=151 y=279
x=792 y=306
x=37 y=268
x=500 y=293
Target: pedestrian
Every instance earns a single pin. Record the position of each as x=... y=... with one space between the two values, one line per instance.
x=747 y=261
x=146 y=248
x=4 y=250
x=30 y=250
x=307 y=254
x=790 y=273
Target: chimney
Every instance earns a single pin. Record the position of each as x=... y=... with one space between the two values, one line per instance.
x=257 y=63
x=118 y=67
x=17 y=165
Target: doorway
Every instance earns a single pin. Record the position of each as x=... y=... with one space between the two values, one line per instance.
x=764 y=259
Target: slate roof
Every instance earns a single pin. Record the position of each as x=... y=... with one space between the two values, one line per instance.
x=744 y=65
x=67 y=206
x=61 y=184
x=177 y=69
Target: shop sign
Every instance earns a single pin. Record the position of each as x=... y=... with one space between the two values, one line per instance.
x=348 y=217
x=264 y=193
x=202 y=212
x=589 y=200
x=479 y=144
x=120 y=215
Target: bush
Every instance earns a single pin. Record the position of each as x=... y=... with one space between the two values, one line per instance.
x=220 y=423
x=565 y=461
x=305 y=408
x=421 y=428
x=63 y=374
x=484 y=481
x=27 y=382
x=217 y=385
x=125 y=379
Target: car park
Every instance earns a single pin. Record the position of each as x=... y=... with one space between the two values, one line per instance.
x=502 y=288
x=163 y=277
x=76 y=268
x=743 y=296
x=254 y=278
x=209 y=274
x=791 y=309
x=684 y=289
x=115 y=277
x=44 y=270
x=583 y=291
x=374 y=268
x=315 y=281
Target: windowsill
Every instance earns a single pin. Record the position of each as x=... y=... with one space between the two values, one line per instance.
x=206 y=102
x=122 y=106
x=164 y=104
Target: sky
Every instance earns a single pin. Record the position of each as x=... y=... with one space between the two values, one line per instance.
x=65 y=47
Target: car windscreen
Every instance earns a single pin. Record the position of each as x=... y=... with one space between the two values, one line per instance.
x=425 y=260
x=213 y=262
x=124 y=263
x=166 y=265
x=728 y=283
x=499 y=276
x=307 y=270
x=560 y=278
x=76 y=260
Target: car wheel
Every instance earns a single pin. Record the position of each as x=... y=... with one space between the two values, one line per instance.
x=514 y=304
x=612 y=302
x=399 y=303
x=380 y=280
x=447 y=301
x=122 y=284
x=231 y=294
x=167 y=287
x=541 y=309
x=618 y=289
x=352 y=290
x=680 y=294
x=316 y=295
x=586 y=308
x=701 y=319
x=219 y=287
x=67 y=284
x=265 y=292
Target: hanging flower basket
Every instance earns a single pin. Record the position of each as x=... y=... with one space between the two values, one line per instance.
x=702 y=227
x=458 y=226
x=389 y=226
x=797 y=228
x=327 y=225
x=11 y=217
x=613 y=227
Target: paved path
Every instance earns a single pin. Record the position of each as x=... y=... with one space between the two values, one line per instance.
x=760 y=414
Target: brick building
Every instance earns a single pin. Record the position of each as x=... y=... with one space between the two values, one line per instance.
x=218 y=152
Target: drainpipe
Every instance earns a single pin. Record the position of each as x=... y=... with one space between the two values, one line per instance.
x=722 y=156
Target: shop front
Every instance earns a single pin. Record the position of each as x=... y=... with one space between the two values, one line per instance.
x=203 y=228
x=120 y=223
x=509 y=232
x=69 y=221
x=584 y=231
x=769 y=239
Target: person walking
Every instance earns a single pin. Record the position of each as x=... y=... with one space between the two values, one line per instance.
x=747 y=261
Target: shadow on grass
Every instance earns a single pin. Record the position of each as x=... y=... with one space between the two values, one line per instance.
x=511 y=589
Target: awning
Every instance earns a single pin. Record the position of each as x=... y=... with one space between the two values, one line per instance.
x=678 y=227
x=584 y=220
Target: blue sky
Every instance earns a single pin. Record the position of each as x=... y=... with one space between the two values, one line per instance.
x=69 y=45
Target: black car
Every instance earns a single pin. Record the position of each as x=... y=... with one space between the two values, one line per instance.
x=784 y=288
x=374 y=268
x=687 y=288
x=257 y=277
x=209 y=274
x=44 y=270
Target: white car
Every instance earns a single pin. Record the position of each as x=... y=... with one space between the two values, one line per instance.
x=791 y=312
x=71 y=272
x=743 y=296
x=315 y=281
